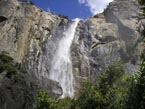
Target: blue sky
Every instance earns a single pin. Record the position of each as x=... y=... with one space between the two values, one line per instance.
x=73 y=8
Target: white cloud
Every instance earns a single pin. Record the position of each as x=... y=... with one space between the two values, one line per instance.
x=95 y=6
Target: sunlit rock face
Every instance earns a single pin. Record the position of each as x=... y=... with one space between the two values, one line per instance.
x=24 y=30
x=106 y=38
x=32 y=36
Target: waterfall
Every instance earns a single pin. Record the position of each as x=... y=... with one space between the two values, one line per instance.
x=61 y=66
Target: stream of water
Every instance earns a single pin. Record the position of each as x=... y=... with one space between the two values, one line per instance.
x=61 y=66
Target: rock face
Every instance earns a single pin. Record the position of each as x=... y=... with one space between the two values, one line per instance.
x=109 y=37
x=30 y=36
x=17 y=94
x=24 y=31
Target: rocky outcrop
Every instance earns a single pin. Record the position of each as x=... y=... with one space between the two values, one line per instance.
x=30 y=36
x=17 y=94
x=24 y=30
x=107 y=38
x=22 y=25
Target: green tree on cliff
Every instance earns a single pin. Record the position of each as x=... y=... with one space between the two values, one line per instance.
x=136 y=95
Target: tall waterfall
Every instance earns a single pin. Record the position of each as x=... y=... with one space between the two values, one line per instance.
x=61 y=66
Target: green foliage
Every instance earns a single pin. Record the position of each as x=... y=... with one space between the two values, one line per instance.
x=136 y=94
x=44 y=101
x=112 y=74
x=110 y=91
x=8 y=68
x=4 y=57
x=90 y=98
x=7 y=65
x=142 y=2
x=18 y=7
x=66 y=103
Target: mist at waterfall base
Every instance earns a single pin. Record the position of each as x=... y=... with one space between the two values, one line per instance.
x=61 y=65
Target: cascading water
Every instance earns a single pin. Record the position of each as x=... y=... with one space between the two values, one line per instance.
x=61 y=66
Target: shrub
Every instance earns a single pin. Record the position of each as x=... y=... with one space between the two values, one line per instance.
x=44 y=101
x=4 y=57
x=109 y=92
x=32 y=3
x=10 y=70
x=65 y=17
x=89 y=98
x=18 y=7
x=66 y=103
x=7 y=65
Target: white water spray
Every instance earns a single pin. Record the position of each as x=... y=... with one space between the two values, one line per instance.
x=61 y=66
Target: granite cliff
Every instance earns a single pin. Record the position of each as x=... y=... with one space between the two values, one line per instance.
x=30 y=36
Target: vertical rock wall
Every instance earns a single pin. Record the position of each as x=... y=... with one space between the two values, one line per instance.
x=30 y=34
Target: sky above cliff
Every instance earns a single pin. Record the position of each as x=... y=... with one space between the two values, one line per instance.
x=73 y=8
